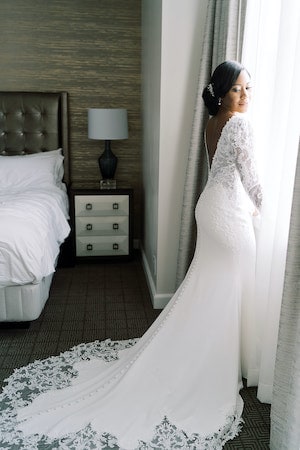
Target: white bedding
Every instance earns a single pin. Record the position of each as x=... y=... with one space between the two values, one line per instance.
x=33 y=224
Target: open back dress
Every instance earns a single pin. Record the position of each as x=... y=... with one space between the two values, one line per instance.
x=178 y=385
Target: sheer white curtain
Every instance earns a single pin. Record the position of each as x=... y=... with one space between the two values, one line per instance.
x=271 y=53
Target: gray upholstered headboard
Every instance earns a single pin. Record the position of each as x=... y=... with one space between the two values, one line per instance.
x=32 y=122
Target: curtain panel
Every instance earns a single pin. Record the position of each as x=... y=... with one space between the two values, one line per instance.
x=285 y=410
x=271 y=53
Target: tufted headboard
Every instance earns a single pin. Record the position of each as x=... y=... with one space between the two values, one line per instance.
x=32 y=122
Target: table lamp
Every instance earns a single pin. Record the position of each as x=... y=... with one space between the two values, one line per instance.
x=107 y=125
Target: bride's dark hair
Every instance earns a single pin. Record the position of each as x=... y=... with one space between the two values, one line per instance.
x=222 y=80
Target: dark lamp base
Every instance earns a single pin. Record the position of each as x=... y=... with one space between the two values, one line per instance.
x=108 y=162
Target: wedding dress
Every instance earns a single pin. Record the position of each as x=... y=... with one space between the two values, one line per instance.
x=178 y=385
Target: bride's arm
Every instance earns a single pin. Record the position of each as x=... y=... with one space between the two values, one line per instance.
x=245 y=162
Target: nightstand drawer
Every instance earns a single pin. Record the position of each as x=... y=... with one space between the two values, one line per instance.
x=105 y=205
x=102 y=245
x=103 y=226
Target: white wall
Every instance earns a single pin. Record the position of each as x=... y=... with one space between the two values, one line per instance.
x=151 y=76
x=172 y=44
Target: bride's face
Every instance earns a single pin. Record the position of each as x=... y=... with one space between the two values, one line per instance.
x=238 y=97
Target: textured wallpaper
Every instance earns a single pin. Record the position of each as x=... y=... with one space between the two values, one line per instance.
x=92 y=50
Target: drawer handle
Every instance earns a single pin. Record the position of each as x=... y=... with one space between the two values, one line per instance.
x=115 y=205
x=115 y=226
x=88 y=206
x=115 y=246
x=89 y=226
x=89 y=247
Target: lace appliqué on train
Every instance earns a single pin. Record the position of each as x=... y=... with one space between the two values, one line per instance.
x=57 y=372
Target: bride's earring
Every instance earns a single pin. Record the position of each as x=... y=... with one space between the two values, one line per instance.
x=220 y=101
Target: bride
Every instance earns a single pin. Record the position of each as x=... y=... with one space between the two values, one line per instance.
x=178 y=385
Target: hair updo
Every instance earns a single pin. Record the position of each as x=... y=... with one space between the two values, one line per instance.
x=222 y=80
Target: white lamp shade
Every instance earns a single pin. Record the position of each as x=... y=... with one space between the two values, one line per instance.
x=107 y=124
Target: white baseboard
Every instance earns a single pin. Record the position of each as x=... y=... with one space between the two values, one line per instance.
x=159 y=301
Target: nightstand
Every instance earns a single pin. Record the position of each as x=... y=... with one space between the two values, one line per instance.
x=102 y=223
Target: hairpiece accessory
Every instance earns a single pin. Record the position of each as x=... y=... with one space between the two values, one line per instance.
x=211 y=89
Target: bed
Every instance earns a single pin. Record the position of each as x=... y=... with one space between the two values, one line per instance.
x=34 y=221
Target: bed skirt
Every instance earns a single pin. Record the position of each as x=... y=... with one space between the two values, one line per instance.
x=24 y=303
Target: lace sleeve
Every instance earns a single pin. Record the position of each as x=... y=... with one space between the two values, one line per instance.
x=245 y=161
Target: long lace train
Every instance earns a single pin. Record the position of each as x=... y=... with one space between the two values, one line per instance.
x=56 y=372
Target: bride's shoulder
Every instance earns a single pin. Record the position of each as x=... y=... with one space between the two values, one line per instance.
x=241 y=119
x=239 y=124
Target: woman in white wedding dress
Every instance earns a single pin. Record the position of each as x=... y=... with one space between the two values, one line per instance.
x=178 y=385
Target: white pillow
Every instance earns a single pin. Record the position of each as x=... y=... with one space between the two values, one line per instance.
x=31 y=170
x=57 y=159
